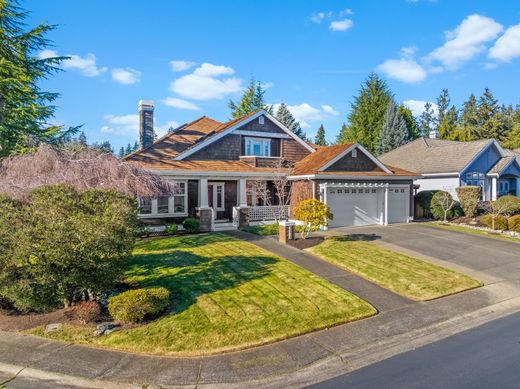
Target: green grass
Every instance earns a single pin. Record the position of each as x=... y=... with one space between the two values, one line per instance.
x=400 y=273
x=226 y=294
x=269 y=229
x=472 y=231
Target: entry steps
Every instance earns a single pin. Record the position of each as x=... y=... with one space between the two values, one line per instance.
x=223 y=225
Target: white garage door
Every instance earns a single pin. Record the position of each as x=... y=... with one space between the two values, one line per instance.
x=398 y=200
x=353 y=207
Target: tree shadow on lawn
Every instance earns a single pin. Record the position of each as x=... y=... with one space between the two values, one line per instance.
x=188 y=276
x=356 y=237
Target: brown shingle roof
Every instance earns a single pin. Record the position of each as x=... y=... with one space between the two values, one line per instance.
x=425 y=155
x=314 y=161
x=205 y=166
x=176 y=142
x=500 y=165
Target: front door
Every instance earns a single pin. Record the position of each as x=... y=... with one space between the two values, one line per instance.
x=216 y=196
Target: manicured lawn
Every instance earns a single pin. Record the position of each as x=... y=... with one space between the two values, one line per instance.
x=473 y=231
x=400 y=273
x=226 y=294
x=268 y=229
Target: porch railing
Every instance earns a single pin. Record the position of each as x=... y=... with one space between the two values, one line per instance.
x=273 y=212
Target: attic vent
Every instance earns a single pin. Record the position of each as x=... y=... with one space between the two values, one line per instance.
x=354 y=153
x=260 y=120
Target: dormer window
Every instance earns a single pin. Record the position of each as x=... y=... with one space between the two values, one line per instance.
x=354 y=153
x=258 y=147
x=261 y=120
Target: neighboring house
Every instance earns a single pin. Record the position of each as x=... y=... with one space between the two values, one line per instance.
x=217 y=168
x=446 y=165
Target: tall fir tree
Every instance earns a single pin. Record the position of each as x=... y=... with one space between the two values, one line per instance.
x=469 y=119
x=121 y=153
x=443 y=104
x=25 y=109
x=252 y=100
x=492 y=124
x=367 y=112
x=412 y=126
x=394 y=132
x=136 y=146
x=345 y=135
x=319 y=139
x=447 y=127
x=427 y=120
x=513 y=139
x=128 y=149
x=82 y=139
x=284 y=116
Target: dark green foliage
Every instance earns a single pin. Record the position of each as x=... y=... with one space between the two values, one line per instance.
x=427 y=120
x=285 y=117
x=25 y=109
x=134 y=305
x=171 y=229
x=345 y=135
x=367 y=113
x=440 y=205
x=469 y=197
x=62 y=245
x=412 y=126
x=394 y=132
x=252 y=100
x=191 y=225
x=500 y=222
x=320 y=137
x=424 y=198
x=514 y=223
x=104 y=147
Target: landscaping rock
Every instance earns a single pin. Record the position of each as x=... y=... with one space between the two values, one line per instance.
x=105 y=328
x=53 y=327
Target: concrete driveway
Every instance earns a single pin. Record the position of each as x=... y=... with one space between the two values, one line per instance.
x=492 y=260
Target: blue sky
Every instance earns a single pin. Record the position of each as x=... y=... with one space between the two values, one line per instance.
x=191 y=57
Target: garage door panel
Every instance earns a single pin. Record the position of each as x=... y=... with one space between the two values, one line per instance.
x=353 y=207
x=398 y=205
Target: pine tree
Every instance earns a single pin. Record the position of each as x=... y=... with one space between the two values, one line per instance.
x=448 y=125
x=394 y=132
x=320 y=137
x=427 y=121
x=25 y=109
x=368 y=112
x=252 y=100
x=82 y=139
x=121 y=153
x=492 y=122
x=104 y=147
x=469 y=119
x=284 y=116
x=136 y=146
x=345 y=135
x=513 y=139
x=128 y=149
x=443 y=103
x=414 y=131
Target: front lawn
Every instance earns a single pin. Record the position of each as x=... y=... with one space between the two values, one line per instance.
x=226 y=294
x=473 y=231
x=400 y=273
x=269 y=229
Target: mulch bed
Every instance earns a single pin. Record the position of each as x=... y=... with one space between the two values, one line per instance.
x=12 y=321
x=303 y=244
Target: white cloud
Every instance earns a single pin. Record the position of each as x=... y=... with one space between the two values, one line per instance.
x=408 y=52
x=210 y=70
x=86 y=65
x=466 y=41
x=179 y=66
x=507 y=46
x=406 y=70
x=318 y=17
x=341 y=25
x=121 y=125
x=203 y=83
x=126 y=76
x=417 y=107
x=47 y=54
x=180 y=103
x=305 y=113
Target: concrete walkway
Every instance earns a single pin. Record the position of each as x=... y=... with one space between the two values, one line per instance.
x=35 y=362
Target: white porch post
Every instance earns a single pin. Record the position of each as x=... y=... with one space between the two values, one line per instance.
x=386 y=206
x=203 y=190
x=493 y=188
x=314 y=190
x=242 y=192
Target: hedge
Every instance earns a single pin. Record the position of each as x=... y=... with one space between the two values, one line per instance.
x=132 y=306
x=514 y=223
x=500 y=222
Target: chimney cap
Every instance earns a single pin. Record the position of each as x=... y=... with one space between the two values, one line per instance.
x=146 y=103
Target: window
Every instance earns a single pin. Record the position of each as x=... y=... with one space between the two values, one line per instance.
x=476 y=179
x=179 y=198
x=503 y=187
x=163 y=204
x=354 y=153
x=220 y=196
x=374 y=191
x=354 y=190
x=367 y=190
x=261 y=120
x=258 y=147
x=145 y=206
x=340 y=190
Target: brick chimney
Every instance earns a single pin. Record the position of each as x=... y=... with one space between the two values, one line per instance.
x=146 y=133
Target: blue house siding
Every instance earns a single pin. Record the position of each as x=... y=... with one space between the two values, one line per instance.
x=482 y=164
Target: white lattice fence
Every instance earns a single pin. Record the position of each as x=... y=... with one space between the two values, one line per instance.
x=275 y=212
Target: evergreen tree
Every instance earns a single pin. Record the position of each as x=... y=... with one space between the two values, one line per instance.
x=513 y=139
x=104 y=147
x=469 y=119
x=25 y=109
x=394 y=132
x=320 y=137
x=492 y=122
x=252 y=100
x=345 y=135
x=414 y=131
x=367 y=112
x=136 y=146
x=448 y=124
x=128 y=149
x=427 y=121
x=121 y=153
x=82 y=139
x=443 y=103
x=284 y=116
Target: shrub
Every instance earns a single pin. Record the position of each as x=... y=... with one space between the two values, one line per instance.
x=424 y=199
x=86 y=312
x=500 y=222
x=313 y=213
x=171 y=229
x=469 y=197
x=514 y=223
x=191 y=225
x=506 y=205
x=62 y=244
x=132 y=306
x=442 y=205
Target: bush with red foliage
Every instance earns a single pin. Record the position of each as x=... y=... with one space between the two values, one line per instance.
x=86 y=312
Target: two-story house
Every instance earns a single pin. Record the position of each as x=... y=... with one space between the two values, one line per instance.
x=214 y=165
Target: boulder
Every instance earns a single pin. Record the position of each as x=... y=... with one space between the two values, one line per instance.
x=53 y=327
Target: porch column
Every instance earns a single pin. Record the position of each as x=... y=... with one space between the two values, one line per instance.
x=242 y=192
x=493 y=188
x=203 y=190
x=385 y=216
x=314 y=190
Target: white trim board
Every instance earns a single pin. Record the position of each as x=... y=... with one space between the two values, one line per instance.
x=352 y=178
x=236 y=126
x=345 y=152
x=260 y=134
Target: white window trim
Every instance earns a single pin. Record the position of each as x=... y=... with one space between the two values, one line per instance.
x=262 y=142
x=215 y=204
x=155 y=209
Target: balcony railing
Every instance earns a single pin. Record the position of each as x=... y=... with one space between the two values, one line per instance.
x=273 y=212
